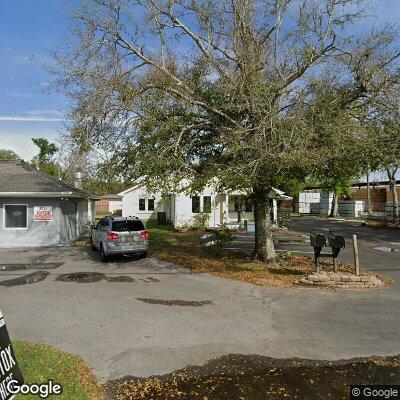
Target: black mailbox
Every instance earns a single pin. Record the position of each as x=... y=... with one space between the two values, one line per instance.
x=336 y=241
x=317 y=239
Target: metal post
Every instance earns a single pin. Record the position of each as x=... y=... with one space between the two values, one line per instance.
x=316 y=259
x=356 y=258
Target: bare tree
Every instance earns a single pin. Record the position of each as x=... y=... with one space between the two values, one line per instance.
x=209 y=89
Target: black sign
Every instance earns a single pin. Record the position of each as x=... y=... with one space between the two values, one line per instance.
x=9 y=369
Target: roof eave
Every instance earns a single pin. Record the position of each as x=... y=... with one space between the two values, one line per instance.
x=76 y=195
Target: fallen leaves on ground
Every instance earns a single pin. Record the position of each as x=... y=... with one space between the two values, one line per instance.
x=251 y=377
x=183 y=248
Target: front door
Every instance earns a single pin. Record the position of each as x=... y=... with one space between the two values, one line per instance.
x=68 y=221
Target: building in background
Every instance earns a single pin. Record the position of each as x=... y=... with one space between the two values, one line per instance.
x=209 y=207
x=314 y=201
x=108 y=204
x=38 y=209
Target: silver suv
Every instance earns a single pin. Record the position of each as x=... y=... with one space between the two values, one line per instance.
x=120 y=235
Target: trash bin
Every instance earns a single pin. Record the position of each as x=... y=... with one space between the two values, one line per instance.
x=162 y=218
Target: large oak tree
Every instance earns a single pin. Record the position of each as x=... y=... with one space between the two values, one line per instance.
x=206 y=89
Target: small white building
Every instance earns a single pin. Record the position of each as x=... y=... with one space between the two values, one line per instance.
x=317 y=202
x=181 y=209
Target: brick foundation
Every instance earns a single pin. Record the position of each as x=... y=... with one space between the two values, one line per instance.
x=342 y=280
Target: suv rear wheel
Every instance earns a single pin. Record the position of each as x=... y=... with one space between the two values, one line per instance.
x=104 y=256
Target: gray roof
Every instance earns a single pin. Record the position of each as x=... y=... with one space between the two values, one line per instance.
x=111 y=197
x=20 y=177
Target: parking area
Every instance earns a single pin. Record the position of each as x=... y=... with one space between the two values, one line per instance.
x=164 y=317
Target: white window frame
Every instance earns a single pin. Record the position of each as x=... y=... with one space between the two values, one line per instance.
x=4 y=216
x=145 y=204
x=154 y=203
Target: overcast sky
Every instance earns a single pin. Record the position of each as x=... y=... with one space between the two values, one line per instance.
x=29 y=31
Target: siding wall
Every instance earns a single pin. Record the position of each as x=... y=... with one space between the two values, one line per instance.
x=351 y=208
x=306 y=202
x=183 y=215
x=63 y=228
x=130 y=204
x=105 y=206
x=37 y=233
x=325 y=204
x=379 y=197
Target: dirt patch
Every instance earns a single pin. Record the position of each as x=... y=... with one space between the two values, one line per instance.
x=248 y=377
x=81 y=277
x=121 y=278
x=26 y=279
x=181 y=303
x=21 y=267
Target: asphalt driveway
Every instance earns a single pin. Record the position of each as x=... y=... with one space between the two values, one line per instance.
x=119 y=334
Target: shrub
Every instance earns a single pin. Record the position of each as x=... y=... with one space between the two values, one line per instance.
x=201 y=220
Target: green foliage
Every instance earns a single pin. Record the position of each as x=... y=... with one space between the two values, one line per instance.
x=46 y=149
x=238 y=108
x=284 y=218
x=384 y=136
x=44 y=160
x=336 y=148
x=201 y=220
x=222 y=238
x=9 y=155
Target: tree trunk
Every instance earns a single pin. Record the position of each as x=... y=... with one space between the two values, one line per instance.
x=264 y=249
x=395 y=202
x=335 y=205
x=369 y=207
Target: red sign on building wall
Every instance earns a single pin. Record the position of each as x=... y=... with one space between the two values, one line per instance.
x=43 y=213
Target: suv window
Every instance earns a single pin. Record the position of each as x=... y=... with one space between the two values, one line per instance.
x=127 y=226
x=102 y=224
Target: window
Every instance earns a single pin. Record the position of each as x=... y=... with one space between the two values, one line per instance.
x=150 y=205
x=142 y=204
x=16 y=216
x=102 y=224
x=195 y=204
x=127 y=226
x=207 y=204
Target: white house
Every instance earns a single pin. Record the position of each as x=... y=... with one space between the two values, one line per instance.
x=183 y=210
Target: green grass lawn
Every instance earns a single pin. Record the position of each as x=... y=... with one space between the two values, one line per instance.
x=39 y=363
x=165 y=236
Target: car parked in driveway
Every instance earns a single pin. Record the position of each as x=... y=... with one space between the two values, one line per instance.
x=120 y=235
